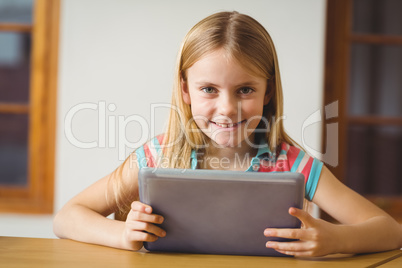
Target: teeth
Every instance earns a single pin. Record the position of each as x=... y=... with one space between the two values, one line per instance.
x=225 y=125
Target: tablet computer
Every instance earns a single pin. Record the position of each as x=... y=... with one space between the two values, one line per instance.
x=220 y=212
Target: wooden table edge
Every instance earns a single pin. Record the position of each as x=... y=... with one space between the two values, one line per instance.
x=391 y=258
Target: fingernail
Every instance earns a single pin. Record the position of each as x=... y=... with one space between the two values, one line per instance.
x=163 y=234
x=269 y=244
x=292 y=210
x=268 y=233
x=161 y=219
x=148 y=210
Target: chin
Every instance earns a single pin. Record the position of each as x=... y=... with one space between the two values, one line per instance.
x=228 y=140
x=224 y=142
x=224 y=145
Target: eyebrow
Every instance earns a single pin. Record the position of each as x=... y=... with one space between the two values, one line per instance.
x=247 y=83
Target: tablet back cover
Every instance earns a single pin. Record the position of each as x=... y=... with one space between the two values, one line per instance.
x=220 y=212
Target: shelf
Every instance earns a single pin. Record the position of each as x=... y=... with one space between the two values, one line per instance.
x=15 y=27
x=14 y=108
x=376 y=39
x=374 y=120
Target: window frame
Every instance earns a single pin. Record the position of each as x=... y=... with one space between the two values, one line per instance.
x=38 y=195
x=339 y=38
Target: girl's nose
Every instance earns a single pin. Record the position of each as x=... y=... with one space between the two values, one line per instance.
x=227 y=106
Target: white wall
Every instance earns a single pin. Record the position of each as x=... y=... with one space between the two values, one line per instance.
x=123 y=53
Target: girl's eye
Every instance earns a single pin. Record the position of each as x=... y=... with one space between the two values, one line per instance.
x=246 y=90
x=208 y=90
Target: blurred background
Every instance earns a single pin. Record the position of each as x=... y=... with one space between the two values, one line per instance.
x=85 y=82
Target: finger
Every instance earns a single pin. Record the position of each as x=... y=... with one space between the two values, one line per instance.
x=141 y=236
x=148 y=227
x=289 y=246
x=290 y=253
x=144 y=217
x=285 y=233
x=138 y=206
x=302 y=215
x=297 y=253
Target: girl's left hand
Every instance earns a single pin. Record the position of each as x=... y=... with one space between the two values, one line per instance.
x=316 y=237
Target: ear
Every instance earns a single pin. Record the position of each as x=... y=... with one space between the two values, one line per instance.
x=269 y=93
x=185 y=92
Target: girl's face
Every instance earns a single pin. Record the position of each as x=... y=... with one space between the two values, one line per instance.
x=226 y=101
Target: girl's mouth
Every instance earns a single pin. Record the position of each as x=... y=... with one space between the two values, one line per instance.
x=228 y=126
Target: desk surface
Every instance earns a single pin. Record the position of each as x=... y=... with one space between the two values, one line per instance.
x=393 y=263
x=37 y=252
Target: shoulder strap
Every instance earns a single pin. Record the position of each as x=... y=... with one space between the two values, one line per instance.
x=149 y=153
x=296 y=164
x=141 y=158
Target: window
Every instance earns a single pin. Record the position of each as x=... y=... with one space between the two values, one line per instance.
x=363 y=72
x=28 y=72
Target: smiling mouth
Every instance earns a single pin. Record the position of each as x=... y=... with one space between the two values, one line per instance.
x=223 y=125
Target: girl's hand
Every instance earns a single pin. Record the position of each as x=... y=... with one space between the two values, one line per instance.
x=316 y=237
x=139 y=226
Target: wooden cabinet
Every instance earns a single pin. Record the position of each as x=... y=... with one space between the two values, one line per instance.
x=363 y=71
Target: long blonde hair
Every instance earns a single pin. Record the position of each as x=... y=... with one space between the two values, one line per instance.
x=243 y=38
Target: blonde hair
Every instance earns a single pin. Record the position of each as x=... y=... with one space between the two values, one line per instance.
x=247 y=41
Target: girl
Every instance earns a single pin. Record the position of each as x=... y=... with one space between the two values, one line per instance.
x=226 y=114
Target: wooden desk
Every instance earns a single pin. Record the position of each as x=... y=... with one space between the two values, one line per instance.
x=37 y=252
x=393 y=263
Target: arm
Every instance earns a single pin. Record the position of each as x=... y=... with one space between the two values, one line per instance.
x=83 y=218
x=364 y=227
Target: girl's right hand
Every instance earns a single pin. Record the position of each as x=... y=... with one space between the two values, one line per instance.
x=140 y=227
